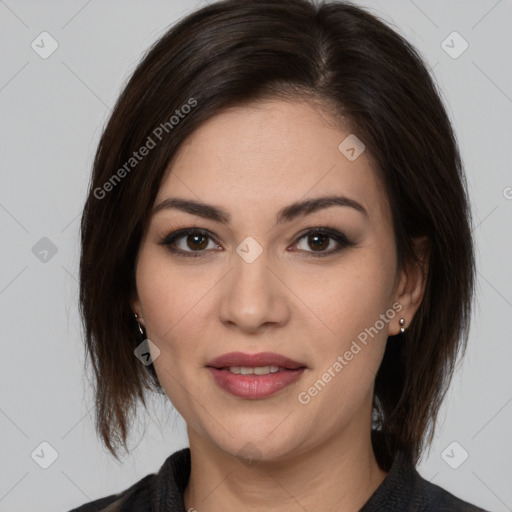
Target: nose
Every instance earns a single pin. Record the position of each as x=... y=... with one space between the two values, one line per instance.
x=254 y=296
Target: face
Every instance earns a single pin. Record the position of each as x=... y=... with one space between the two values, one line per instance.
x=251 y=276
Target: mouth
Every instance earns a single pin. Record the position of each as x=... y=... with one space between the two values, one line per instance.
x=248 y=370
x=254 y=376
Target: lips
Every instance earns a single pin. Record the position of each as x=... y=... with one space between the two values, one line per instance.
x=254 y=376
x=254 y=360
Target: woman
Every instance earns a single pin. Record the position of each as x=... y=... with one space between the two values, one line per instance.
x=277 y=236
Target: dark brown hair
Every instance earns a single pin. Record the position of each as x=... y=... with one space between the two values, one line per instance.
x=337 y=55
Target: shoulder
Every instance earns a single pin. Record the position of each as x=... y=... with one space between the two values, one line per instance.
x=165 y=486
x=136 y=496
x=437 y=498
x=405 y=490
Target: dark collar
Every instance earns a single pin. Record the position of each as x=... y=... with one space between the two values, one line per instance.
x=403 y=489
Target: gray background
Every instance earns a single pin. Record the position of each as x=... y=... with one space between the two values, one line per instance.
x=53 y=111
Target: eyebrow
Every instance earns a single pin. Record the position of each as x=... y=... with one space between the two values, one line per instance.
x=286 y=214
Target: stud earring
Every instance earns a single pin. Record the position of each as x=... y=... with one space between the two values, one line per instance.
x=138 y=324
x=402 y=323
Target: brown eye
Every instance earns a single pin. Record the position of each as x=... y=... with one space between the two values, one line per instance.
x=190 y=242
x=315 y=242
x=197 y=241
x=318 y=242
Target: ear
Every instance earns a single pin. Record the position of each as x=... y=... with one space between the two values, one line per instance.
x=136 y=308
x=411 y=285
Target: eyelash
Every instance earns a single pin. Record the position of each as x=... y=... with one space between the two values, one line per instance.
x=340 y=238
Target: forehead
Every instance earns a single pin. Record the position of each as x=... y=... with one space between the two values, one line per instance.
x=269 y=154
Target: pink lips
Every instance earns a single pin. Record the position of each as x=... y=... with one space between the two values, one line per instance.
x=254 y=386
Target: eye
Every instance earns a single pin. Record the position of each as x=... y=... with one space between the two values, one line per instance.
x=196 y=242
x=320 y=239
x=189 y=242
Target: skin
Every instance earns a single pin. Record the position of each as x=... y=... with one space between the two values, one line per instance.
x=252 y=161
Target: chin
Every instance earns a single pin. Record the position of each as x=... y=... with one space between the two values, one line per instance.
x=250 y=451
x=252 y=443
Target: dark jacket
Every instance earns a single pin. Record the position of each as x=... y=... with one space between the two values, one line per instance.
x=402 y=490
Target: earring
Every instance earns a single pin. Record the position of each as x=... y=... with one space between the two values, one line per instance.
x=402 y=323
x=140 y=327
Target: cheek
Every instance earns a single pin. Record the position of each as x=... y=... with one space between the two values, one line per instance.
x=176 y=307
x=354 y=304
x=167 y=297
x=355 y=294
x=347 y=361
x=167 y=294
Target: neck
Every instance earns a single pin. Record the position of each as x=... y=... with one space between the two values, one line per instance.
x=341 y=474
